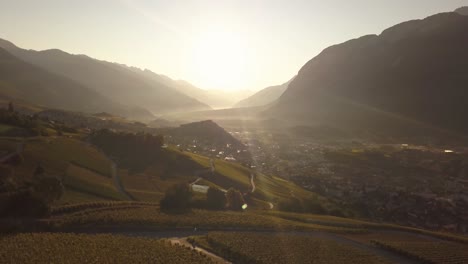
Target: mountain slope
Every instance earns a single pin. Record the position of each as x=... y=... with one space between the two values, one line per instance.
x=415 y=72
x=205 y=131
x=24 y=81
x=215 y=99
x=462 y=10
x=113 y=80
x=265 y=96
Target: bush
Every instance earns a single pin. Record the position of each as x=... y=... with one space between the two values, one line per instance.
x=30 y=198
x=24 y=203
x=301 y=206
x=235 y=200
x=177 y=198
x=215 y=199
x=133 y=151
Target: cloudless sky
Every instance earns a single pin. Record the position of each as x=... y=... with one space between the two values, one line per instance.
x=217 y=44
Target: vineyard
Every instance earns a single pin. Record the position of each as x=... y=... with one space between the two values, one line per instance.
x=73 y=248
x=151 y=217
x=332 y=221
x=86 y=181
x=282 y=248
x=428 y=252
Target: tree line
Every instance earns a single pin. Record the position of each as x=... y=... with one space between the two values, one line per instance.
x=134 y=151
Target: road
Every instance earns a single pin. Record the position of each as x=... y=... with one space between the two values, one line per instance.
x=252 y=183
x=197 y=180
x=117 y=181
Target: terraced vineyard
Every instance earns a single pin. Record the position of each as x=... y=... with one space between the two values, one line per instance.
x=74 y=248
x=86 y=181
x=428 y=252
x=152 y=218
x=333 y=221
x=284 y=248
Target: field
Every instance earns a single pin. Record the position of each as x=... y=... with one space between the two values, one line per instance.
x=152 y=219
x=268 y=188
x=74 y=248
x=74 y=197
x=333 y=221
x=5 y=128
x=87 y=174
x=84 y=170
x=56 y=154
x=428 y=251
x=283 y=248
x=149 y=185
x=88 y=182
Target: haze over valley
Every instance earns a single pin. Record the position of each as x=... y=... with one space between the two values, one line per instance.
x=319 y=146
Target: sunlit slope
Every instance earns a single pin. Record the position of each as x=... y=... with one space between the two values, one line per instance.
x=85 y=172
x=269 y=189
x=87 y=175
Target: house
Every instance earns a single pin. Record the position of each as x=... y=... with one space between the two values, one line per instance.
x=200 y=188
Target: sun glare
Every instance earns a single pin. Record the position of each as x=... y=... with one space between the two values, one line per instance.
x=219 y=60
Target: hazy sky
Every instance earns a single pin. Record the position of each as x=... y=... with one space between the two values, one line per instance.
x=225 y=44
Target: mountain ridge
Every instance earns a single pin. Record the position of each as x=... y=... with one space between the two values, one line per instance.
x=378 y=80
x=24 y=81
x=265 y=96
x=111 y=79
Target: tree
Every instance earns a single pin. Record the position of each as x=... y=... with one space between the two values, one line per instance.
x=215 y=199
x=49 y=189
x=235 y=200
x=10 y=107
x=39 y=170
x=177 y=198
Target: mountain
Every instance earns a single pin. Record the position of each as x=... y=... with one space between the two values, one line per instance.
x=415 y=73
x=118 y=82
x=205 y=131
x=462 y=10
x=265 y=96
x=25 y=82
x=213 y=98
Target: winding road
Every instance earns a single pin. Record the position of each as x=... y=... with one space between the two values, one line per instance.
x=252 y=183
x=117 y=181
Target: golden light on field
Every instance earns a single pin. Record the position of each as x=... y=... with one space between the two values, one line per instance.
x=219 y=59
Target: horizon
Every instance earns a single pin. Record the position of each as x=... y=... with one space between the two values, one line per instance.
x=181 y=41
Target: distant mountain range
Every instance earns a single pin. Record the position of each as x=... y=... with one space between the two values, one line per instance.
x=213 y=98
x=26 y=82
x=413 y=73
x=119 y=83
x=265 y=96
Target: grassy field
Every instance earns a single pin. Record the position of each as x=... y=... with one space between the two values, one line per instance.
x=55 y=154
x=82 y=180
x=74 y=248
x=85 y=172
x=268 y=188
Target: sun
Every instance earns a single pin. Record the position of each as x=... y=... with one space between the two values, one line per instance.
x=219 y=60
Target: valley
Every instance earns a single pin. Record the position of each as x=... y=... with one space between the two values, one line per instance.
x=361 y=157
